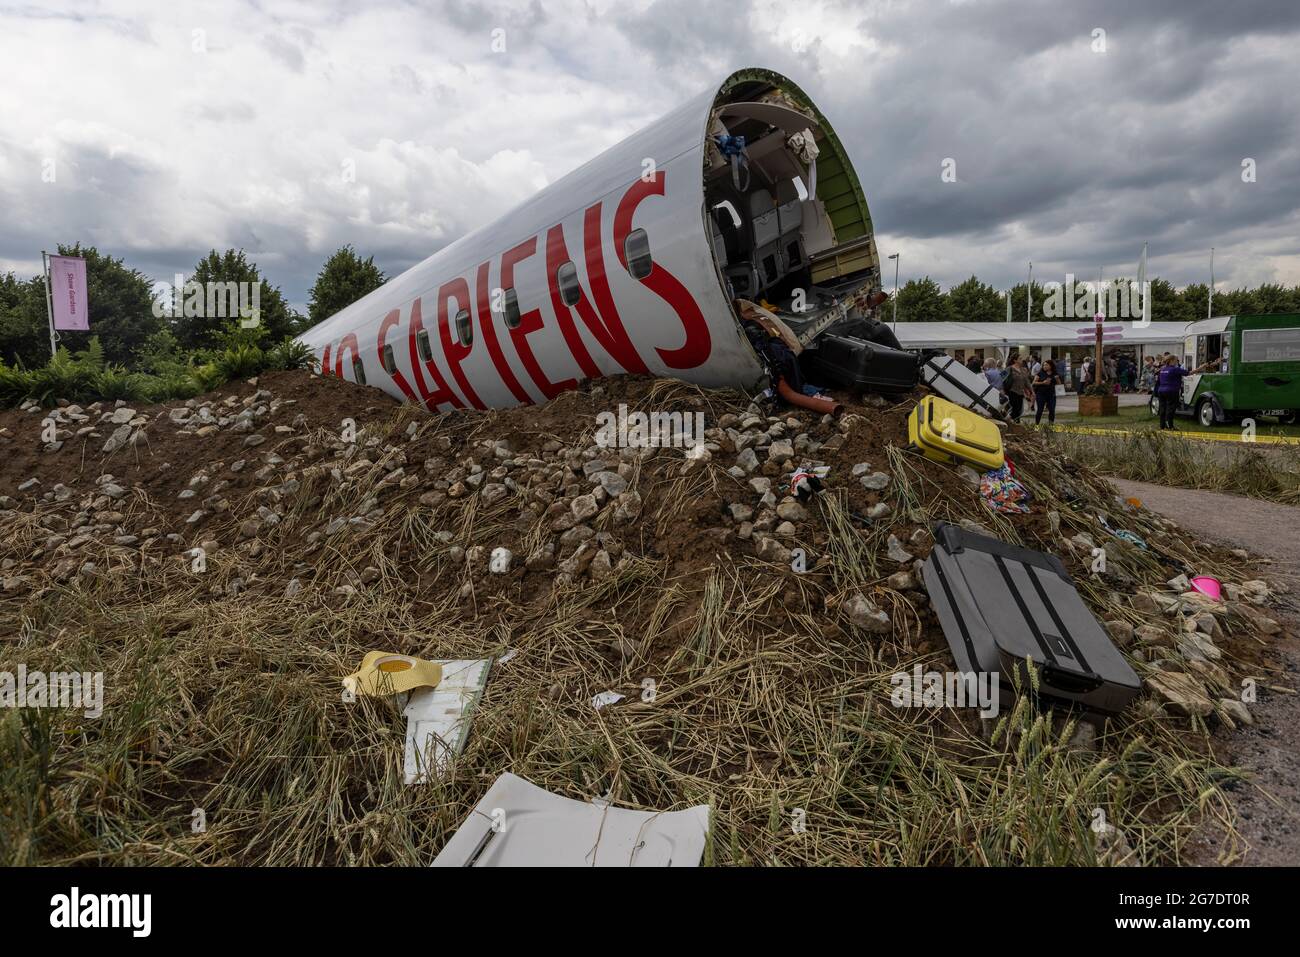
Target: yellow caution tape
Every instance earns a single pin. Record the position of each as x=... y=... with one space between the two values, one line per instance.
x=1182 y=434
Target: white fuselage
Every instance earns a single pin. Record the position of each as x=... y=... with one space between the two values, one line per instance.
x=521 y=341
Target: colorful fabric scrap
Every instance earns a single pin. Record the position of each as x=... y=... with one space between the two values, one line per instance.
x=1002 y=492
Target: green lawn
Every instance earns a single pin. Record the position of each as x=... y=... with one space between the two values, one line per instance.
x=1135 y=418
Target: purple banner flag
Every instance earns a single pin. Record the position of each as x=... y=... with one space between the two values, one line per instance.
x=68 y=289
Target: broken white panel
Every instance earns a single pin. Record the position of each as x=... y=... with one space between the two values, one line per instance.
x=518 y=824
x=437 y=719
x=606 y=698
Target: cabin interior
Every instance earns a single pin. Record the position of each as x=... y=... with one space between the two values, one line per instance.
x=773 y=240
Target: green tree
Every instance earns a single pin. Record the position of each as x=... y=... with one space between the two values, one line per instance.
x=1274 y=298
x=1166 y=305
x=920 y=300
x=275 y=319
x=24 y=325
x=974 y=301
x=1193 y=302
x=344 y=279
x=1236 y=302
x=119 y=307
x=1018 y=294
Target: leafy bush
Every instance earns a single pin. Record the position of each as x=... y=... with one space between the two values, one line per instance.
x=164 y=388
x=240 y=362
x=291 y=354
x=86 y=376
x=116 y=382
x=15 y=384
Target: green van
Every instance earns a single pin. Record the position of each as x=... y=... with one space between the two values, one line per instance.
x=1258 y=371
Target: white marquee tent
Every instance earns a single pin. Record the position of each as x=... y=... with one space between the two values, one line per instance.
x=1035 y=335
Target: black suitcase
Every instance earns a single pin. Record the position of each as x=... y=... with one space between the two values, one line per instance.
x=999 y=604
x=851 y=363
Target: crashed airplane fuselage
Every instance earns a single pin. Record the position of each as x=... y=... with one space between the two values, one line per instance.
x=634 y=262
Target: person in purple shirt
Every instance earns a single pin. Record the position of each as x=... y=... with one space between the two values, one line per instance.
x=1169 y=387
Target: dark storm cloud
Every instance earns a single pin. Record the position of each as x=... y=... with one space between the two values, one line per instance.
x=1066 y=156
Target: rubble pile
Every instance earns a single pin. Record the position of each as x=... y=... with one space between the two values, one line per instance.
x=309 y=493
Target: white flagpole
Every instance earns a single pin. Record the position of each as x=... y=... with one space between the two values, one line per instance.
x=1146 y=289
x=49 y=304
x=1209 y=306
x=1029 y=295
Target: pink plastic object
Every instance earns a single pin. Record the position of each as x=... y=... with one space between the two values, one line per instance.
x=1208 y=586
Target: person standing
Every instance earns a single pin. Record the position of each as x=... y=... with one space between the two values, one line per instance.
x=1016 y=385
x=973 y=363
x=1169 y=388
x=1085 y=373
x=1045 y=382
x=993 y=373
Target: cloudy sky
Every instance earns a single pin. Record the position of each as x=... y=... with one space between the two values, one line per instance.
x=1077 y=130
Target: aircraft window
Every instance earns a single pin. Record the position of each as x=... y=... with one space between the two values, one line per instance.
x=567 y=277
x=513 y=315
x=390 y=360
x=358 y=370
x=464 y=331
x=422 y=344
x=636 y=250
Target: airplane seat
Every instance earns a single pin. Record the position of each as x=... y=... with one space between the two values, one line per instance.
x=726 y=231
x=764 y=218
x=744 y=280
x=770 y=262
x=765 y=230
x=790 y=217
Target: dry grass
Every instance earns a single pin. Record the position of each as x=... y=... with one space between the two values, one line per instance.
x=1268 y=472
x=761 y=709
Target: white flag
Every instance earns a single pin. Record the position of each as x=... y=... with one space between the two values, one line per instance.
x=1143 y=291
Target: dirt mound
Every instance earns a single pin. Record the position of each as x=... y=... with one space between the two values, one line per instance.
x=225 y=560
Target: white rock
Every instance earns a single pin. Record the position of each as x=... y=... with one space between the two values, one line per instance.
x=896 y=551
x=865 y=615
x=584 y=507
x=875 y=482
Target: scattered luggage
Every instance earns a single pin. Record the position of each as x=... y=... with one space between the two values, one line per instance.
x=1002 y=604
x=518 y=824
x=857 y=364
x=946 y=432
x=952 y=380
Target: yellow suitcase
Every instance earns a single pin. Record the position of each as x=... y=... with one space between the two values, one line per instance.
x=947 y=432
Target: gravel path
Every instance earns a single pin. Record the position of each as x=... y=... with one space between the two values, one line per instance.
x=1267 y=528
x=1269 y=751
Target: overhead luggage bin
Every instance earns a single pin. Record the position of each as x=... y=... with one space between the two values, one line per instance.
x=1001 y=605
x=946 y=432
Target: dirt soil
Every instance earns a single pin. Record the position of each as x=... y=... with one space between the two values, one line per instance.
x=1269 y=750
x=289 y=509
